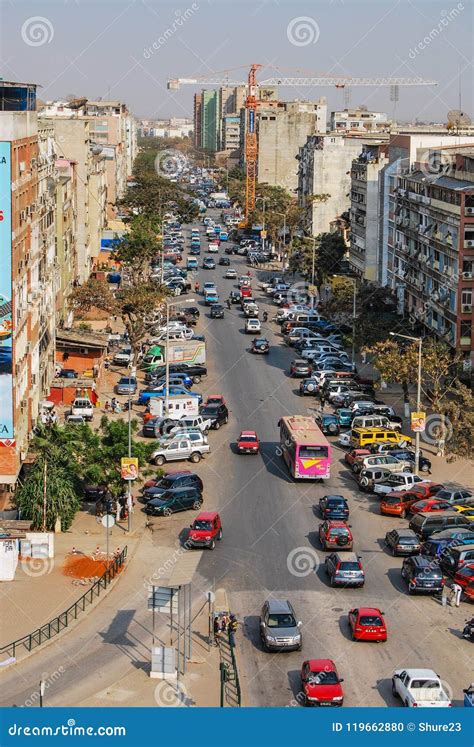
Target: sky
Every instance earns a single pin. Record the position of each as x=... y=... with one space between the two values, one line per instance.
x=127 y=50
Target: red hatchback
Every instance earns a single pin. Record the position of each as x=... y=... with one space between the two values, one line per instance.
x=465 y=575
x=367 y=624
x=430 y=504
x=426 y=489
x=205 y=530
x=248 y=443
x=335 y=534
x=321 y=684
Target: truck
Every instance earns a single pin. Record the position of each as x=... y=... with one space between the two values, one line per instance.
x=179 y=406
x=180 y=351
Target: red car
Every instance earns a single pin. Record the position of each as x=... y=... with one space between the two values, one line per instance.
x=205 y=530
x=335 y=534
x=245 y=291
x=353 y=454
x=465 y=575
x=248 y=443
x=426 y=489
x=398 y=503
x=367 y=624
x=215 y=399
x=321 y=684
x=430 y=504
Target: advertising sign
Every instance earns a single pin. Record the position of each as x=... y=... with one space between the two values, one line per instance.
x=129 y=468
x=6 y=323
x=418 y=422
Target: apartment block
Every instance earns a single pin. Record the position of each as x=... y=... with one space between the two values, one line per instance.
x=431 y=244
x=359 y=120
x=66 y=230
x=282 y=130
x=197 y=119
x=26 y=277
x=324 y=177
x=365 y=216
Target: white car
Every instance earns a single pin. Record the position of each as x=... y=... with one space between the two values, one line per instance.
x=213 y=247
x=123 y=357
x=252 y=325
x=420 y=688
x=231 y=274
x=344 y=440
x=402 y=481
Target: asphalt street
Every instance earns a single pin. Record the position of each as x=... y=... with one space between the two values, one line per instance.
x=270 y=545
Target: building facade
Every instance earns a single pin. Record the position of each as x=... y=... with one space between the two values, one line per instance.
x=210 y=121
x=282 y=130
x=66 y=231
x=431 y=245
x=359 y=120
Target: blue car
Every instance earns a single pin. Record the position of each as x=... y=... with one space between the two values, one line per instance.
x=183 y=378
x=309 y=386
x=334 y=507
x=344 y=417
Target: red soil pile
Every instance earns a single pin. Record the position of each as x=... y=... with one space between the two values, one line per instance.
x=82 y=566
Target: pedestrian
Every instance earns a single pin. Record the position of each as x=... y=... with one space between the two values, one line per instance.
x=224 y=623
x=322 y=399
x=444 y=595
x=113 y=404
x=107 y=405
x=456 y=591
x=232 y=628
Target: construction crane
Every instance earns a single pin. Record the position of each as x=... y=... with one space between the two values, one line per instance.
x=252 y=103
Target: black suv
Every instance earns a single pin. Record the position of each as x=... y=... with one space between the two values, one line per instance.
x=334 y=507
x=172 y=501
x=425 y=464
x=217 y=414
x=224 y=261
x=403 y=542
x=217 y=311
x=172 y=482
x=195 y=371
x=422 y=575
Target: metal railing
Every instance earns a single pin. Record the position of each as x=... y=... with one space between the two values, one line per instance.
x=53 y=627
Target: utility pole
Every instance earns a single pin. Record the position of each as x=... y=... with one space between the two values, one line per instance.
x=419 y=341
x=44 y=493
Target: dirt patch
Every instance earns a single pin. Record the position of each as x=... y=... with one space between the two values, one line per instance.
x=83 y=566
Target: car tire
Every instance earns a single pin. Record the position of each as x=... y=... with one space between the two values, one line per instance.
x=167 y=512
x=403 y=515
x=310 y=388
x=219 y=536
x=159 y=461
x=212 y=545
x=226 y=420
x=195 y=457
x=333 y=429
x=394 y=690
x=356 y=468
x=363 y=483
x=217 y=425
x=196 y=379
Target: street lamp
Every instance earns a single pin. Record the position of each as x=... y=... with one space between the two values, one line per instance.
x=418 y=340
x=264 y=200
x=42 y=688
x=284 y=230
x=167 y=358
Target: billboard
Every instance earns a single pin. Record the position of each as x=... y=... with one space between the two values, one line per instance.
x=6 y=324
x=129 y=468
x=418 y=421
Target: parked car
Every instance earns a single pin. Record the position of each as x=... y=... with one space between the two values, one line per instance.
x=279 y=627
x=419 y=688
x=218 y=414
x=403 y=542
x=427 y=524
x=344 y=416
x=453 y=495
x=82 y=406
x=205 y=530
x=309 y=386
x=126 y=385
x=409 y=456
x=335 y=534
x=248 y=443
x=94 y=493
x=74 y=420
x=397 y=503
x=367 y=624
x=328 y=424
x=321 y=684
x=422 y=575
x=381 y=460
x=440 y=542
x=180 y=449
x=300 y=368
x=67 y=373
x=464 y=576
x=194 y=370
x=123 y=357
x=426 y=489
x=197 y=422
x=430 y=504
x=217 y=311
x=260 y=346
x=172 y=481
x=397 y=482
x=333 y=507
x=171 y=501
x=454 y=558
x=370 y=477
x=344 y=570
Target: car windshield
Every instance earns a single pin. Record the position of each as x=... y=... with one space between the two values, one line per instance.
x=209 y=411
x=284 y=620
x=202 y=525
x=349 y=565
x=336 y=501
x=430 y=573
x=368 y=620
x=408 y=540
x=165 y=483
x=247 y=438
x=323 y=678
x=313 y=452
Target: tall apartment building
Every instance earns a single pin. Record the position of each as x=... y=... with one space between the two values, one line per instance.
x=282 y=130
x=210 y=120
x=66 y=229
x=325 y=163
x=74 y=142
x=359 y=120
x=197 y=119
x=431 y=244
x=365 y=217
x=27 y=261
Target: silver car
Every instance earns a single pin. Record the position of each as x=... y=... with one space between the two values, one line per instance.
x=279 y=628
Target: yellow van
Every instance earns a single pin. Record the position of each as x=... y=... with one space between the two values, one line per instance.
x=362 y=437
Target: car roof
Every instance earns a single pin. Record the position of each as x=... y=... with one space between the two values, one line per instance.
x=350 y=557
x=279 y=605
x=333 y=523
x=248 y=433
x=318 y=665
x=425 y=673
x=338 y=497
x=369 y=611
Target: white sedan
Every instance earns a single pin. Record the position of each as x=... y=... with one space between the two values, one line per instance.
x=213 y=247
x=231 y=274
x=252 y=325
x=420 y=688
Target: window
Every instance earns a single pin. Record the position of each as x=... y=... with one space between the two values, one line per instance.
x=466 y=297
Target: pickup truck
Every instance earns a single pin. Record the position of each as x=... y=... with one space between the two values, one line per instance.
x=420 y=688
x=400 y=481
x=82 y=406
x=123 y=357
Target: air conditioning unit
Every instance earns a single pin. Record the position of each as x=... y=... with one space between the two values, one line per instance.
x=22 y=215
x=469 y=211
x=467 y=276
x=466 y=308
x=469 y=242
x=33 y=163
x=24 y=404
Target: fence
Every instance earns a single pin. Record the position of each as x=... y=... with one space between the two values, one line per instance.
x=62 y=621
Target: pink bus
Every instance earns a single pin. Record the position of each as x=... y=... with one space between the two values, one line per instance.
x=304 y=448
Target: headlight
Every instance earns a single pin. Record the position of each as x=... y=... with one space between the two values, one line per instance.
x=271 y=638
x=338 y=699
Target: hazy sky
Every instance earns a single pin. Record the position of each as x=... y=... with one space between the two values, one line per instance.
x=128 y=50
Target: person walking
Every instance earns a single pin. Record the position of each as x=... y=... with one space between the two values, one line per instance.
x=232 y=628
x=322 y=399
x=456 y=591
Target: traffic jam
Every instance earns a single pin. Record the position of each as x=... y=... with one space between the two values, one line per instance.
x=215 y=271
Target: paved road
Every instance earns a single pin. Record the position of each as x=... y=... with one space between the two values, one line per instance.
x=267 y=517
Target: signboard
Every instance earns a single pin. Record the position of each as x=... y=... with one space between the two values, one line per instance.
x=418 y=420
x=164 y=599
x=312 y=290
x=129 y=468
x=108 y=521
x=6 y=320
x=263 y=234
